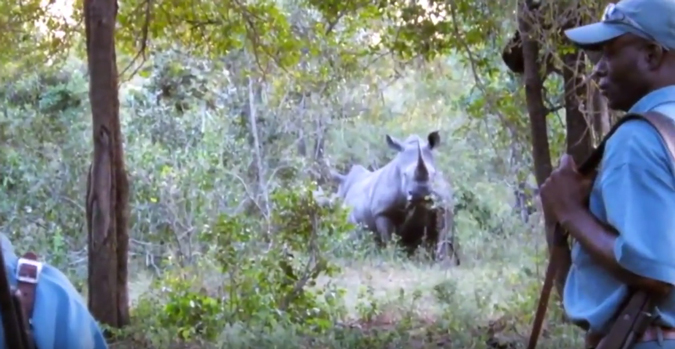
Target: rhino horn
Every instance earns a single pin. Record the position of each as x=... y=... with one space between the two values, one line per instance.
x=421 y=172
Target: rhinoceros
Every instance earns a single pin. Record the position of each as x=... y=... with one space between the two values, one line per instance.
x=379 y=200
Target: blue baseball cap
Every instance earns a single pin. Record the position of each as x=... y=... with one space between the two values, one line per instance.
x=653 y=20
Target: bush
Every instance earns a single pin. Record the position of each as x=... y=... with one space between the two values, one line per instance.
x=261 y=275
x=230 y=244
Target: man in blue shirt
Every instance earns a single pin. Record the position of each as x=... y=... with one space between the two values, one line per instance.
x=60 y=319
x=628 y=237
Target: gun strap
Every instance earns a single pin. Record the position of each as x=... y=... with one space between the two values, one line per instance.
x=28 y=272
x=665 y=126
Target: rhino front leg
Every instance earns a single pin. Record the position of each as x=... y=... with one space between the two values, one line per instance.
x=384 y=228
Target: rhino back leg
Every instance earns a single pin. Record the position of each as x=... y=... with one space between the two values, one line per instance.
x=384 y=227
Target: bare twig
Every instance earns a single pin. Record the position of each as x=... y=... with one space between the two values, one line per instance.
x=310 y=268
x=257 y=150
x=141 y=53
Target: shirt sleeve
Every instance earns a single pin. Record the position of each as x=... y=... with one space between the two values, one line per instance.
x=61 y=318
x=638 y=192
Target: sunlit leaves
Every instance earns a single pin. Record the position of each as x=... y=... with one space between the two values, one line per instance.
x=33 y=30
x=210 y=28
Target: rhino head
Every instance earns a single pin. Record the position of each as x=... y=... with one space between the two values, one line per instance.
x=416 y=165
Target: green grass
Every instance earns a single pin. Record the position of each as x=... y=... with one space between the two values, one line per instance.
x=394 y=302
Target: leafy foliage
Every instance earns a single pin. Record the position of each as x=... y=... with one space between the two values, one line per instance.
x=276 y=286
x=232 y=112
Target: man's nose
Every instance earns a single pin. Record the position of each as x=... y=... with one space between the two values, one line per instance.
x=599 y=69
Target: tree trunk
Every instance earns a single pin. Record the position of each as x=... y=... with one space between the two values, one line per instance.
x=537 y=112
x=579 y=136
x=579 y=140
x=534 y=98
x=107 y=184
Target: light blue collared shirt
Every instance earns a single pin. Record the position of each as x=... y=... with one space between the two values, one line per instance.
x=634 y=192
x=60 y=317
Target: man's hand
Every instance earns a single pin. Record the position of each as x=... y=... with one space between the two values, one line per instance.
x=565 y=191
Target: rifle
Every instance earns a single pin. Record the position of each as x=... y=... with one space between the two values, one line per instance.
x=636 y=316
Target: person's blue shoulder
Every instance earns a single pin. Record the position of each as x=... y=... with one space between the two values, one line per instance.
x=636 y=142
x=61 y=318
x=638 y=192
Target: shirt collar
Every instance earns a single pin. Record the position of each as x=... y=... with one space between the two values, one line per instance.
x=654 y=99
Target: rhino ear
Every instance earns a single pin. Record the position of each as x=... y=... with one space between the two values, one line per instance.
x=393 y=143
x=434 y=139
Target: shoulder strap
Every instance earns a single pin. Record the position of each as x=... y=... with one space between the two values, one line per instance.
x=28 y=270
x=665 y=126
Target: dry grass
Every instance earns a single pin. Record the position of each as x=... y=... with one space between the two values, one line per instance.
x=487 y=302
x=387 y=279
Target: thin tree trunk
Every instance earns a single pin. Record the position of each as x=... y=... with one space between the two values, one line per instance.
x=535 y=100
x=579 y=137
x=257 y=148
x=107 y=184
x=537 y=112
x=579 y=140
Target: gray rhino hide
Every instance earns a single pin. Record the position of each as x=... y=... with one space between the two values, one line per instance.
x=379 y=199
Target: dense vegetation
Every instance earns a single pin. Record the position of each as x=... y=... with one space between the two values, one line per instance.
x=233 y=113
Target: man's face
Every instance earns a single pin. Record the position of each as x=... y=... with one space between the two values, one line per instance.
x=622 y=73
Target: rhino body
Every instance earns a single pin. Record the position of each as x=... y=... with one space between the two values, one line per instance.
x=383 y=200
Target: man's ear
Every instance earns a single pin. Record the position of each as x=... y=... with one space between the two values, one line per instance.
x=654 y=56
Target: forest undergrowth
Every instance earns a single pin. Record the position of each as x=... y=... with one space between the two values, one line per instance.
x=229 y=246
x=387 y=300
